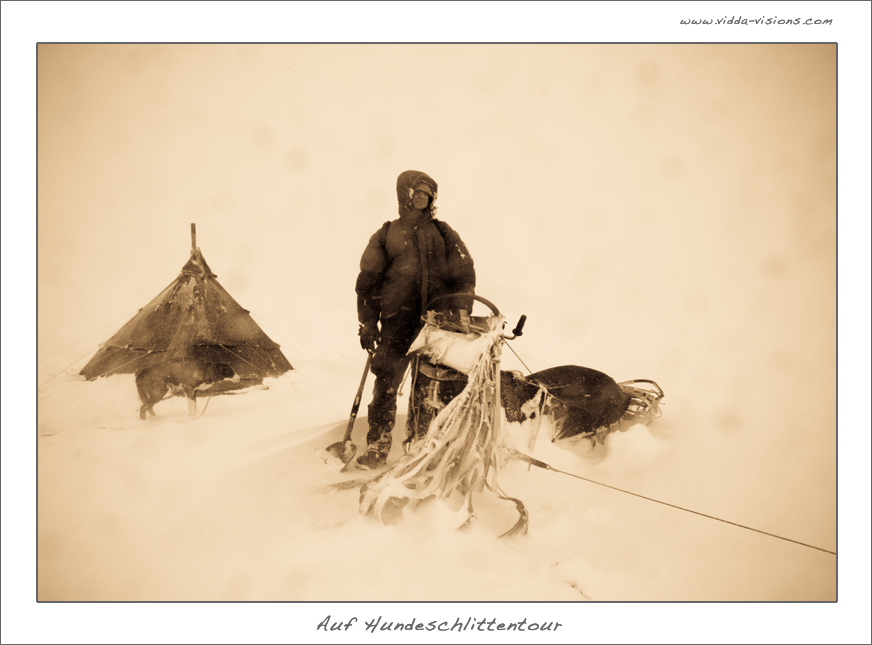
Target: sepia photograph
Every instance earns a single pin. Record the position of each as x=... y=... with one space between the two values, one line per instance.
x=657 y=212
x=529 y=324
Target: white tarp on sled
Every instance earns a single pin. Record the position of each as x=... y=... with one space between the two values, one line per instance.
x=457 y=350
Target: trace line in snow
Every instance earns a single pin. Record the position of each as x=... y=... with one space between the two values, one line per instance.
x=541 y=464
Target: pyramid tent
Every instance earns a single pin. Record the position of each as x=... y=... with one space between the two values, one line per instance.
x=194 y=317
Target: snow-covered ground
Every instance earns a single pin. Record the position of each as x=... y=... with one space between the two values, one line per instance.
x=657 y=211
x=234 y=505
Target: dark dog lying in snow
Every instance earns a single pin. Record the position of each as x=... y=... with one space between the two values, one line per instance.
x=184 y=376
x=583 y=401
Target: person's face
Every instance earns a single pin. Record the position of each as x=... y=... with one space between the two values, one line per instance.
x=420 y=199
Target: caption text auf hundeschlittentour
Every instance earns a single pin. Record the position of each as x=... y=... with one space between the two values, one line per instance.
x=457 y=625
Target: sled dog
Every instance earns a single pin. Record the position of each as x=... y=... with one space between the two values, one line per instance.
x=184 y=376
x=582 y=402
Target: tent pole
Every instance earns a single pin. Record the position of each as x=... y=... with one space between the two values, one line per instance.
x=193 y=236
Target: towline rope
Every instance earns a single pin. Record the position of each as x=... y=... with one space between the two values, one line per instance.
x=518 y=357
x=541 y=464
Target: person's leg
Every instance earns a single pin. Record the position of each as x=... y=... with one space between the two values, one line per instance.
x=388 y=368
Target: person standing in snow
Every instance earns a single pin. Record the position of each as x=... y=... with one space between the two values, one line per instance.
x=406 y=264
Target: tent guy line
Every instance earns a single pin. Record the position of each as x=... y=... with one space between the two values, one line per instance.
x=91 y=347
x=63 y=373
x=69 y=364
x=47 y=393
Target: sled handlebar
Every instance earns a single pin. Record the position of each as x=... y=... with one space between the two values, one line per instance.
x=484 y=301
x=517 y=331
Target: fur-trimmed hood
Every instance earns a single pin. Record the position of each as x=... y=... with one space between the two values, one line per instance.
x=406 y=184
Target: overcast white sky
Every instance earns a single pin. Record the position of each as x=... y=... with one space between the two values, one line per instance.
x=658 y=211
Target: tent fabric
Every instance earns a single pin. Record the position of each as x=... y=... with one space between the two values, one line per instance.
x=194 y=317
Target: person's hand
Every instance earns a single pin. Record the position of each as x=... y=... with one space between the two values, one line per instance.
x=369 y=336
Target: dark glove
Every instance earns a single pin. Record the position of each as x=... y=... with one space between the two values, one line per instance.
x=369 y=336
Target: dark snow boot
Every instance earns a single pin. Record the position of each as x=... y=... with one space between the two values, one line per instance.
x=372 y=459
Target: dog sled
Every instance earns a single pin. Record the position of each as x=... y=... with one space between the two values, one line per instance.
x=463 y=449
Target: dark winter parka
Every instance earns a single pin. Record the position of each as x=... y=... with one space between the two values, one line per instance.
x=410 y=261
